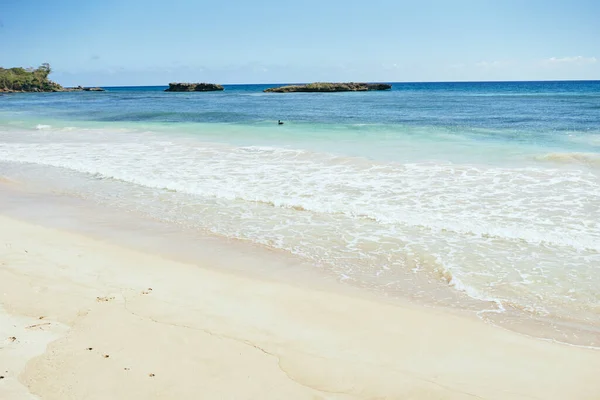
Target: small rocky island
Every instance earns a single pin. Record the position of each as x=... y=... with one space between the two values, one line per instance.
x=193 y=87
x=330 y=87
x=83 y=89
x=14 y=80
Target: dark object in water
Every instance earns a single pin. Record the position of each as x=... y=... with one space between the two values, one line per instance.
x=330 y=87
x=193 y=87
x=279 y=122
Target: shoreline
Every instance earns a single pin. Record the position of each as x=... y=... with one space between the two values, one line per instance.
x=62 y=210
x=218 y=331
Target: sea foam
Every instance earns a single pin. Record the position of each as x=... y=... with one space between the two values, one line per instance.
x=501 y=234
x=589 y=159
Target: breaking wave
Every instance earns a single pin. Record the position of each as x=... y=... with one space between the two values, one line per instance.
x=589 y=159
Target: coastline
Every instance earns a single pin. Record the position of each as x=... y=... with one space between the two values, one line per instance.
x=205 y=329
x=65 y=208
x=61 y=90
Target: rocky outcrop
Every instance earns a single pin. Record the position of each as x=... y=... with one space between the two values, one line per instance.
x=193 y=87
x=73 y=89
x=56 y=88
x=82 y=89
x=330 y=87
x=31 y=90
x=46 y=87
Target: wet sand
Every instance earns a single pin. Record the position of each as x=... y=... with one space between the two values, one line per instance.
x=82 y=318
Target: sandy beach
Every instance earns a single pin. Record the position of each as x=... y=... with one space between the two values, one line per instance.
x=287 y=200
x=84 y=319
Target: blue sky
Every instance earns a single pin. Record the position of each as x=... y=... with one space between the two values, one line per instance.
x=134 y=42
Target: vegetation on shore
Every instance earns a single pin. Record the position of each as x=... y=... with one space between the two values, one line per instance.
x=28 y=80
x=330 y=87
x=20 y=79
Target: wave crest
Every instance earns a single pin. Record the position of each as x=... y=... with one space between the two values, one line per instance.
x=589 y=159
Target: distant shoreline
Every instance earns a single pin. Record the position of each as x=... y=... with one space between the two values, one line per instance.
x=68 y=89
x=330 y=87
x=273 y=84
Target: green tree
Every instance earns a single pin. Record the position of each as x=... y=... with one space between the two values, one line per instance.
x=29 y=79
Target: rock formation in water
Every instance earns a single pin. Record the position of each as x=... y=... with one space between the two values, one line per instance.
x=330 y=87
x=82 y=89
x=193 y=87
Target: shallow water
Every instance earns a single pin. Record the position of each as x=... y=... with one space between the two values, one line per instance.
x=491 y=188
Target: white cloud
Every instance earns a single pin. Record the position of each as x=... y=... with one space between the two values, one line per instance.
x=577 y=60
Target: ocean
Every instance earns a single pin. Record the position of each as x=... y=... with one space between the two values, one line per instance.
x=488 y=190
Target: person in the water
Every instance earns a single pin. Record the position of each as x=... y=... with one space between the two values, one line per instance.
x=279 y=122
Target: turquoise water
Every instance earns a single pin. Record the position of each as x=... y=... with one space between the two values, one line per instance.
x=491 y=189
x=517 y=119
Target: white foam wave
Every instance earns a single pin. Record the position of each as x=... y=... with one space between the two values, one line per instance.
x=535 y=206
x=41 y=127
x=589 y=159
x=500 y=233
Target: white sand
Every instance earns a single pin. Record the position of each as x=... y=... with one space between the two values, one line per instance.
x=211 y=335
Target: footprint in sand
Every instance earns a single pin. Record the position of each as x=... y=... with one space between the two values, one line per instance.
x=104 y=299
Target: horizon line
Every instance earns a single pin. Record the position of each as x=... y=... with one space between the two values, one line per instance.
x=390 y=82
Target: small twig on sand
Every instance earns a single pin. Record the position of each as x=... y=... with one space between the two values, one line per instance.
x=37 y=325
